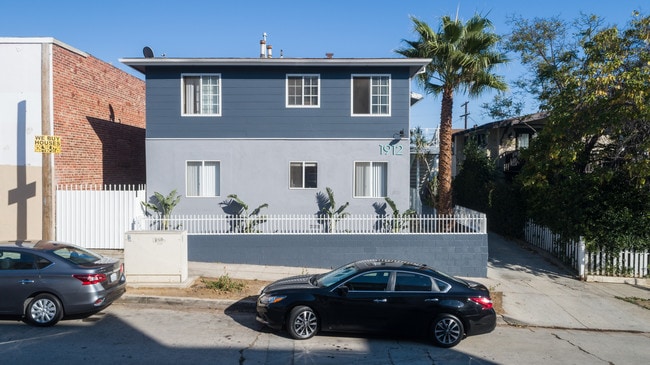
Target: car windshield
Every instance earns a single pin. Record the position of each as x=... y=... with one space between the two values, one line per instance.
x=337 y=274
x=76 y=255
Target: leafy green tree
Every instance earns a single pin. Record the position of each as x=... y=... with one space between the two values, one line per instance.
x=163 y=205
x=474 y=183
x=503 y=106
x=587 y=172
x=463 y=58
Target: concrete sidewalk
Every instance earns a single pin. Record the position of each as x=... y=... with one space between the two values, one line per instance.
x=537 y=291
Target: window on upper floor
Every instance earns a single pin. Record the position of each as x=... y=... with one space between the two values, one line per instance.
x=201 y=94
x=203 y=179
x=303 y=91
x=523 y=141
x=370 y=95
x=370 y=179
x=303 y=175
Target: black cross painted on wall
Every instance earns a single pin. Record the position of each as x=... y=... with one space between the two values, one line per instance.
x=23 y=190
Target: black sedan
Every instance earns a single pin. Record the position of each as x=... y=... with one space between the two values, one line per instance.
x=43 y=282
x=379 y=295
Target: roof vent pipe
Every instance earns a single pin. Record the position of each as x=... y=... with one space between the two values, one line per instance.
x=329 y=55
x=263 y=46
x=269 y=51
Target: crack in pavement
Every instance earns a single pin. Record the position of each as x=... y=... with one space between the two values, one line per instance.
x=581 y=349
x=242 y=358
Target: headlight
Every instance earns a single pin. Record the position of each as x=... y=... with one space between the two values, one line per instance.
x=270 y=299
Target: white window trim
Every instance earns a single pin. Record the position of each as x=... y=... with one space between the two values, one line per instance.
x=390 y=95
x=354 y=179
x=183 y=114
x=202 y=166
x=303 y=175
x=286 y=88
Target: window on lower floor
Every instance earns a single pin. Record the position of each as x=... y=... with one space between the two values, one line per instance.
x=303 y=175
x=201 y=95
x=370 y=179
x=203 y=178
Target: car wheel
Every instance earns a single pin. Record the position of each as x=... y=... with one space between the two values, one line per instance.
x=302 y=323
x=447 y=331
x=43 y=310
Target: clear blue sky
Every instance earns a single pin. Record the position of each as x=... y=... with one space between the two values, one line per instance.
x=115 y=29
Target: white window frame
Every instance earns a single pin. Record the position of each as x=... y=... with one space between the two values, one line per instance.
x=372 y=78
x=201 y=75
x=304 y=175
x=202 y=189
x=523 y=141
x=303 y=88
x=371 y=182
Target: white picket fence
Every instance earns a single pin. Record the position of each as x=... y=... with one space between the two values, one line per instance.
x=96 y=216
x=467 y=222
x=627 y=263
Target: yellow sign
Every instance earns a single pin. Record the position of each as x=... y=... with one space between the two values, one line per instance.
x=47 y=144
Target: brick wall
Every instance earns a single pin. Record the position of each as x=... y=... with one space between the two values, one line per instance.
x=99 y=113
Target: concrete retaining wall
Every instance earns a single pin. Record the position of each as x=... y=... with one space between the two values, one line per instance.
x=458 y=254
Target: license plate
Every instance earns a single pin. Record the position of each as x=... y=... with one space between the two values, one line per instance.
x=113 y=277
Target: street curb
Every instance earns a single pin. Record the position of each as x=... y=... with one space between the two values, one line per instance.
x=243 y=305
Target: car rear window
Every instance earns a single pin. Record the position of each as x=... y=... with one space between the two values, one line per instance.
x=76 y=255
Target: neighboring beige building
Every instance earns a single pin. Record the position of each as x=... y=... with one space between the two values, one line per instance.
x=502 y=140
x=97 y=110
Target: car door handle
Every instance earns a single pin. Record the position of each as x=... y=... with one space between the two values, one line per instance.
x=380 y=300
x=27 y=281
x=431 y=300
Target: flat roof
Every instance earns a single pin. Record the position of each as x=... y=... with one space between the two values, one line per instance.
x=415 y=65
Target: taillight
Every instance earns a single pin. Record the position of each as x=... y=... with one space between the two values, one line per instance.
x=90 y=279
x=485 y=303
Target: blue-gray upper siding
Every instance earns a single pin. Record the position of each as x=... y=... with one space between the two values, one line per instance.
x=253 y=102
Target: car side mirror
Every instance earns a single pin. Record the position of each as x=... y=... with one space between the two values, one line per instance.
x=342 y=290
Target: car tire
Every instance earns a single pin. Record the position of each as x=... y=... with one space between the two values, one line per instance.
x=302 y=323
x=447 y=331
x=43 y=310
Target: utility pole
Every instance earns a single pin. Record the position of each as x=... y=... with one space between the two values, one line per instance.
x=48 y=158
x=466 y=113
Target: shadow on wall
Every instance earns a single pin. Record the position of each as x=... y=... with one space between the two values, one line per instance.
x=123 y=151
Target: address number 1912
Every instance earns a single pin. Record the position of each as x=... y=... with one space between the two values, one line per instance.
x=391 y=149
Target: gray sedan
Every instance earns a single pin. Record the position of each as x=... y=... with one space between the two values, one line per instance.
x=43 y=282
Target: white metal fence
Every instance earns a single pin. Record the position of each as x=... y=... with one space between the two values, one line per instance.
x=628 y=263
x=467 y=222
x=96 y=216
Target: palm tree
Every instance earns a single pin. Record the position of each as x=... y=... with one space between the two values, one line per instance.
x=463 y=56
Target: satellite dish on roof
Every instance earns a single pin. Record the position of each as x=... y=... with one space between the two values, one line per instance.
x=148 y=52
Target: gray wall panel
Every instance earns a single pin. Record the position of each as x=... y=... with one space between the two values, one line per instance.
x=258 y=172
x=461 y=255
